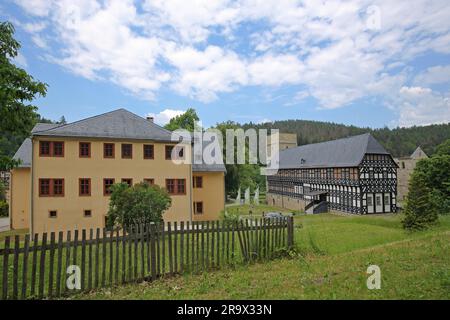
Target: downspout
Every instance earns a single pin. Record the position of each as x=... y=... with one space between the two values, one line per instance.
x=190 y=189
x=32 y=184
x=10 y=200
x=224 y=192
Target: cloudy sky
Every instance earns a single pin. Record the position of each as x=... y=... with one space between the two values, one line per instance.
x=368 y=63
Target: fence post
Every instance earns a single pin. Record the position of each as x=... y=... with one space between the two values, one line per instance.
x=5 y=268
x=290 y=232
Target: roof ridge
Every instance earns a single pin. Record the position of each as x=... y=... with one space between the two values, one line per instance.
x=148 y=122
x=329 y=141
x=57 y=125
x=88 y=118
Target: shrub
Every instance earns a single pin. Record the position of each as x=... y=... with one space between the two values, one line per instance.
x=4 y=208
x=229 y=217
x=141 y=203
x=2 y=191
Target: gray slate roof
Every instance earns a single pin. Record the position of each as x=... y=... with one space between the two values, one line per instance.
x=24 y=154
x=121 y=124
x=118 y=124
x=346 y=152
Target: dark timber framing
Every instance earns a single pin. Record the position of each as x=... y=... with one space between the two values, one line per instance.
x=367 y=186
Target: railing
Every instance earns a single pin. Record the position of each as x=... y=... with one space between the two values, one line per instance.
x=46 y=267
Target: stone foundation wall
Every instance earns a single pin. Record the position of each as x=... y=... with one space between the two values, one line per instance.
x=285 y=202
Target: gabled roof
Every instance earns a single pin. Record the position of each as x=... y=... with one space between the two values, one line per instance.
x=117 y=124
x=418 y=154
x=346 y=152
x=24 y=154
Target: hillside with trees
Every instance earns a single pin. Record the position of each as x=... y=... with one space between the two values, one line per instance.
x=398 y=141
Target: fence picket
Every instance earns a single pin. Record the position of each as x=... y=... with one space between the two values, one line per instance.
x=233 y=228
x=83 y=258
x=90 y=269
x=67 y=256
x=42 y=266
x=207 y=245
x=75 y=247
x=158 y=249
x=153 y=250
x=25 y=266
x=212 y=231
x=116 y=256
x=5 y=268
x=181 y=246
x=197 y=246
x=193 y=246
x=15 y=294
x=148 y=246
x=228 y=242
x=142 y=229
x=175 y=247
x=218 y=242
x=124 y=247
x=169 y=240
x=240 y=233
x=97 y=257
x=34 y=265
x=59 y=263
x=136 y=251
x=130 y=252
x=202 y=244
x=104 y=238
x=111 y=256
x=51 y=264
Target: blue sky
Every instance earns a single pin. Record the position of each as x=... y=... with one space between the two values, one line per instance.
x=367 y=63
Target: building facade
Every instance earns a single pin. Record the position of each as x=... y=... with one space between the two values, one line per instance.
x=285 y=141
x=406 y=166
x=66 y=170
x=355 y=175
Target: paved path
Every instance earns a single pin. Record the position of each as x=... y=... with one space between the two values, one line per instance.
x=4 y=224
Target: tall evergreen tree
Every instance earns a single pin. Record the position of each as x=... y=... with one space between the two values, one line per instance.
x=420 y=211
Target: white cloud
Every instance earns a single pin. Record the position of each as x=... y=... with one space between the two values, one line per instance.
x=264 y=120
x=34 y=27
x=422 y=106
x=164 y=116
x=203 y=48
x=434 y=75
x=39 y=41
x=36 y=7
x=203 y=74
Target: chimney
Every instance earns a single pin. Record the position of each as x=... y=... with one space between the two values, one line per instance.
x=149 y=118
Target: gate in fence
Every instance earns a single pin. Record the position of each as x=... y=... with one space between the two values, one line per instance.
x=51 y=265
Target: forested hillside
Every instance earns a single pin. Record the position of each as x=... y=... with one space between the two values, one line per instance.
x=398 y=141
x=10 y=142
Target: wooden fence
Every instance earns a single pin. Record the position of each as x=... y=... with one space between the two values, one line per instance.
x=38 y=267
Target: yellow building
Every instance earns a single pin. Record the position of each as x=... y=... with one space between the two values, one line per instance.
x=65 y=172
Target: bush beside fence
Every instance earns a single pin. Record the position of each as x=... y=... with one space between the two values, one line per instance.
x=36 y=267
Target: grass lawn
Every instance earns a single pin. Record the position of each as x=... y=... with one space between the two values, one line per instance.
x=256 y=211
x=333 y=253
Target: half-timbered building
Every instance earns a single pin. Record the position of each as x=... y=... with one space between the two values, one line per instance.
x=355 y=175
